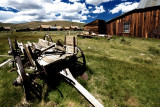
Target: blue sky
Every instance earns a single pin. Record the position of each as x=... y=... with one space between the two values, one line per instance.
x=21 y=11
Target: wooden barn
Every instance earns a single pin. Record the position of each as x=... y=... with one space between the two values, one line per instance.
x=143 y=22
x=66 y=28
x=44 y=27
x=59 y=28
x=6 y=28
x=97 y=26
x=74 y=28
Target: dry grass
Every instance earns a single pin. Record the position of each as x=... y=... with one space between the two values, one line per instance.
x=122 y=72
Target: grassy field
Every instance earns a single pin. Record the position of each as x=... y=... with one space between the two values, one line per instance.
x=122 y=72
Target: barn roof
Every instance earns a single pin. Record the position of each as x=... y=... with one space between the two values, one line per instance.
x=66 y=27
x=74 y=27
x=59 y=27
x=93 y=23
x=45 y=26
x=7 y=27
x=148 y=3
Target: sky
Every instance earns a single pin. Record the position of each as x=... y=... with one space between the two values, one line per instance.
x=84 y=11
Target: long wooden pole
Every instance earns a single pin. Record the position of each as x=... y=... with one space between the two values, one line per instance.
x=4 y=63
x=80 y=88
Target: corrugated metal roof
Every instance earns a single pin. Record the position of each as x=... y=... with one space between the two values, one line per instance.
x=148 y=3
x=53 y=27
x=158 y=2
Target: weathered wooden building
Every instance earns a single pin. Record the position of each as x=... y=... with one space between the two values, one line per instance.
x=6 y=28
x=53 y=28
x=74 y=28
x=97 y=26
x=26 y=29
x=66 y=28
x=59 y=28
x=142 y=22
x=44 y=27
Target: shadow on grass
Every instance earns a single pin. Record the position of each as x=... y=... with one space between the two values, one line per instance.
x=40 y=91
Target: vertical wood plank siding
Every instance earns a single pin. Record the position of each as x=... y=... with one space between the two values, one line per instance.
x=143 y=23
x=98 y=26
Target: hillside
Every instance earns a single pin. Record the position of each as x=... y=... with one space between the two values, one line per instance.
x=34 y=24
x=6 y=24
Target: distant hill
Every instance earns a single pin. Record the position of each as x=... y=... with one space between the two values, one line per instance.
x=6 y=24
x=34 y=24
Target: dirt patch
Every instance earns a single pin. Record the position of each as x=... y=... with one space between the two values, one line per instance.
x=50 y=104
x=132 y=102
x=85 y=76
x=71 y=104
x=23 y=103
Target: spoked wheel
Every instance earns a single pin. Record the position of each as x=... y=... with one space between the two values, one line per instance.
x=79 y=65
x=80 y=58
x=22 y=75
x=47 y=38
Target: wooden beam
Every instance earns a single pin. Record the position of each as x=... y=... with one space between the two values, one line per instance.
x=80 y=88
x=6 y=62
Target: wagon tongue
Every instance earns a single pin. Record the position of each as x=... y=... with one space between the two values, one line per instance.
x=68 y=76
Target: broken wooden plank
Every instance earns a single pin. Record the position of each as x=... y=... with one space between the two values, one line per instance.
x=4 y=63
x=5 y=56
x=80 y=88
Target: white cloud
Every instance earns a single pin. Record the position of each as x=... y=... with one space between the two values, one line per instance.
x=74 y=0
x=124 y=7
x=43 y=10
x=90 y=7
x=96 y=2
x=20 y=19
x=99 y=9
x=6 y=15
x=85 y=11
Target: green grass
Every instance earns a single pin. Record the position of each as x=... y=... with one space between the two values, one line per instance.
x=122 y=72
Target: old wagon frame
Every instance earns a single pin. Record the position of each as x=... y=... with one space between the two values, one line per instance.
x=47 y=58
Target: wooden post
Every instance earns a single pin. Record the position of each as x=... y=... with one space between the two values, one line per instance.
x=69 y=32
